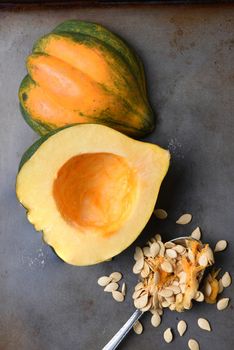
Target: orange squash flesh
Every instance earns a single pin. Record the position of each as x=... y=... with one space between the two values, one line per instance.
x=95 y=190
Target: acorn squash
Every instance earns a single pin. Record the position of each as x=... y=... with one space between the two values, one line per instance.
x=83 y=73
x=90 y=189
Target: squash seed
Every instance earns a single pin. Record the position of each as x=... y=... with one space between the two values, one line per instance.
x=137 y=327
x=138 y=253
x=111 y=287
x=167 y=267
x=148 y=306
x=180 y=249
x=196 y=233
x=184 y=219
x=155 y=320
x=222 y=304
x=220 y=246
x=123 y=289
x=146 y=252
x=204 y=324
x=193 y=344
x=141 y=301
x=181 y=327
x=165 y=293
x=226 y=280
x=207 y=289
x=137 y=293
x=203 y=261
x=171 y=253
x=160 y=214
x=138 y=266
x=118 y=296
x=158 y=237
x=168 y=336
x=210 y=255
x=199 y=296
x=116 y=276
x=104 y=281
x=169 y=245
x=154 y=249
x=139 y=285
x=145 y=271
x=175 y=289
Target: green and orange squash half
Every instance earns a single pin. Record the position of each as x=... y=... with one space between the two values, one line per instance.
x=90 y=190
x=82 y=73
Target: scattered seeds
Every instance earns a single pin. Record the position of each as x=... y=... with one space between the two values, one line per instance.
x=155 y=320
x=111 y=287
x=193 y=344
x=168 y=336
x=167 y=267
x=123 y=289
x=226 y=280
x=220 y=246
x=116 y=276
x=181 y=327
x=160 y=214
x=196 y=233
x=104 y=281
x=204 y=324
x=222 y=304
x=137 y=327
x=118 y=296
x=184 y=219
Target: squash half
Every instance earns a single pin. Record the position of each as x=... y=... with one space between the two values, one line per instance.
x=90 y=189
x=83 y=73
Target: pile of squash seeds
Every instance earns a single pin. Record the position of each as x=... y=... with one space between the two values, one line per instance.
x=163 y=285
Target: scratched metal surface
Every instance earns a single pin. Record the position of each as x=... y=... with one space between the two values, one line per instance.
x=188 y=53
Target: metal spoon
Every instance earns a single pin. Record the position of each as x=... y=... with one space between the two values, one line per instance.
x=121 y=334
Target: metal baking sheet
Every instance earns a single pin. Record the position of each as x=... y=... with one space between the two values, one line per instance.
x=188 y=52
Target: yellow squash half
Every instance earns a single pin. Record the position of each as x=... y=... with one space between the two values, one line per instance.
x=91 y=190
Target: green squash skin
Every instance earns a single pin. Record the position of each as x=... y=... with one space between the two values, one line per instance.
x=127 y=59
x=99 y=32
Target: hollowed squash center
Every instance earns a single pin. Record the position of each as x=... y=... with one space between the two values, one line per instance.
x=95 y=190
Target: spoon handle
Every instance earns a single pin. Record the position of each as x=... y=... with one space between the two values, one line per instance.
x=120 y=335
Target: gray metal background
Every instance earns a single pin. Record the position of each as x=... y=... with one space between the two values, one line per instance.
x=188 y=53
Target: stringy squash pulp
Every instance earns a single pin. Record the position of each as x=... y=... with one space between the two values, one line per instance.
x=91 y=190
